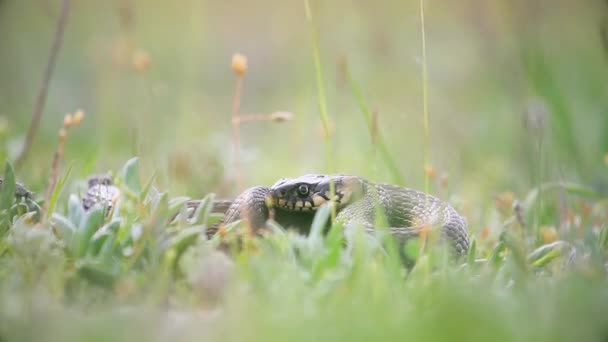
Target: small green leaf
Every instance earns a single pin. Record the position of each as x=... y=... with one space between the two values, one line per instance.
x=75 y=210
x=411 y=249
x=228 y=228
x=7 y=193
x=102 y=234
x=203 y=211
x=603 y=238
x=335 y=236
x=130 y=175
x=160 y=215
x=176 y=204
x=107 y=251
x=18 y=209
x=92 y=221
x=184 y=239
x=495 y=258
x=335 y=247
x=147 y=187
x=64 y=228
x=517 y=249
x=544 y=254
x=319 y=222
x=212 y=220
x=97 y=273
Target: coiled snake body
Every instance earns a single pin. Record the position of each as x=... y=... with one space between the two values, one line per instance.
x=293 y=201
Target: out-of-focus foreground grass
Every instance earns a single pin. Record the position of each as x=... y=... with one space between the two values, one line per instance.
x=518 y=143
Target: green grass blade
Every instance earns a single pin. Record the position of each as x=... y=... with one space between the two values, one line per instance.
x=52 y=202
x=319 y=222
x=385 y=154
x=471 y=256
x=92 y=221
x=7 y=194
x=147 y=187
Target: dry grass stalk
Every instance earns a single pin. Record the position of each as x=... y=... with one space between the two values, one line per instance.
x=69 y=120
x=239 y=67
x=44 y=86
x=425 y=100
x=373 y=130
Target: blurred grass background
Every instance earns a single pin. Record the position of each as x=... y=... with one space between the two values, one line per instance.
x=154 y=80
x=517 y=97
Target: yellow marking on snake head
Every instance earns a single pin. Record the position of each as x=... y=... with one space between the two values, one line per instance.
x=317 y=200
x=351 y=189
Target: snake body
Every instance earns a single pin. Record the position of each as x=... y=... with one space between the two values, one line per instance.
x=294 y=201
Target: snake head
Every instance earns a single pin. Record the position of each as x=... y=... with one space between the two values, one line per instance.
x=309 y=192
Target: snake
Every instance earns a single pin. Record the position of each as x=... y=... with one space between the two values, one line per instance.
x=292 y=202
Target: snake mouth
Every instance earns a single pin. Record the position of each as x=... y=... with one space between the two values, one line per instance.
x=282 y=200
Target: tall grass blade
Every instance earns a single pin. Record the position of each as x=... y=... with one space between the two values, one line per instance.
x=385 y=153
x=57 y=191
x=8 y=185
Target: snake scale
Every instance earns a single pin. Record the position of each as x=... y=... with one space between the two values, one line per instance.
x=293 y=202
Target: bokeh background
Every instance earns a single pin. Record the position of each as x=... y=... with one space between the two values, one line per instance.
x=517 y=95
x=517 y=90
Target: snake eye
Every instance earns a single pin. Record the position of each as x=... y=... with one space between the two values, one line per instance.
x=303 y=189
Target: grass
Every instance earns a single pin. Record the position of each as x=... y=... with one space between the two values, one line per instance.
x=80 y=275
x=536 y=210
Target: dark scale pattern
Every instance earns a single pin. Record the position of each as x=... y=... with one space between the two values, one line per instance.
x=407 y=211
x=250 y=206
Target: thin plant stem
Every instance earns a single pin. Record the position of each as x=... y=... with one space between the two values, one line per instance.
x=425 y=100
x=44 y=86
x=425 y=112
x=52 y=181
x=322 y=102
x=379 y=142
x=539 y=203
x=236 y=130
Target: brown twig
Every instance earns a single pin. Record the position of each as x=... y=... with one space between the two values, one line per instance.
x=44 y=86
